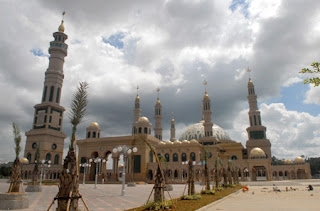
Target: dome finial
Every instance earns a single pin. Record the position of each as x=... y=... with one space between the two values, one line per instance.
x=158 y=90
x=205 y=86
x=172 y=116
x=61 y=27
x=138 y=91
x=248 y=71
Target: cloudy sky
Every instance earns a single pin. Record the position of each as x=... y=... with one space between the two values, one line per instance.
x=174 y=45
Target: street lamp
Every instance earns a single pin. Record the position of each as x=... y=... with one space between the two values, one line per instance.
x=86 y=167
x=124 y=150
x=97 y=161
x=42 y=169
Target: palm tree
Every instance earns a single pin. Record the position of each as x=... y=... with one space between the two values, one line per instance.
x=69 y=180
x=206 y=174
x=229 y=172
x=36 y=167
x=16 y=170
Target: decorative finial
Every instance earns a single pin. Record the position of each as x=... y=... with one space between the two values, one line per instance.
x=248 y=71
x=205 y=85
x=137 y=90
x=158 y=90
x=172 y=115
x=61 y=27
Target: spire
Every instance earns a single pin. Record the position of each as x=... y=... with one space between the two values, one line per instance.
x=206 y=112
x=137 y=110
x=158 y=117
x=61 y=27
x=172 y=129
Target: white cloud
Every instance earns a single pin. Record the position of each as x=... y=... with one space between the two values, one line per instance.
x=313 y=95
x=291 y=81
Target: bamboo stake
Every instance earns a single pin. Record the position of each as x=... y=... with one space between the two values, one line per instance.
x=75 y=149
x=52 y=203
x=150 y=195
x=69 y=200
x=85 y=204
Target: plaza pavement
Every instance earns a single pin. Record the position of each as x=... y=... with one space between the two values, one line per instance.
x=262 y=197
x=259 y=197
x=106 y=197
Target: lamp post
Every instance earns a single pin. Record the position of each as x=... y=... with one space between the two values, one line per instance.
x=86 y=167
x=97 y=161
x=42 y=169
x=124 y=150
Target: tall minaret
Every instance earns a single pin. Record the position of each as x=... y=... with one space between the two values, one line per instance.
x=137 y=110
x=172 y=130
x=158 y=118
x=256 y=132
x=48 y=116
x=206 y=113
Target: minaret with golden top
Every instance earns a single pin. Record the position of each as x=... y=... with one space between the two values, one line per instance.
x=48 y=116
x=158 y=118
x=172 y=130
x=206 y=113
x=137 y=110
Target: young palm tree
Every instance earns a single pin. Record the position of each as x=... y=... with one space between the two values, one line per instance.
x=229 y=172
x=206 y=174
x=36 y=167
x=16 y=170
x=69 y=180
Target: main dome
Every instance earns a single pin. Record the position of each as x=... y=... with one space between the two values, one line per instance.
x=196 y=131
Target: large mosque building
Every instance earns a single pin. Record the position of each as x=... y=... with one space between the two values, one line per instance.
x=251 y=162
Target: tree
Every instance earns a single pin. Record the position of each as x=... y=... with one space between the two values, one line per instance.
x=16 y=170
x=314 y=69
x=36 y=167
x=69 y=180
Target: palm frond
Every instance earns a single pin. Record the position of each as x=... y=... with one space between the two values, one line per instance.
x=17 y=138
x=79 y=104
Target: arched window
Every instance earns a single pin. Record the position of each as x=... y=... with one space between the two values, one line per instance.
x=250 y=121
x=150 y=157
x=234 y=157
x=48 y=156
x=167 y=157
x=93 y=134
x=51 y=93
x=44 y=95
x=183 y=157
x=29 y=157
x=89 y=134
x=145 y=130
x=259 y=120
x=56 y=159
x=175 y=157
x=192 y=156
x=58 y=95
x=98 y=135
x=255 y=120
x=140 y=130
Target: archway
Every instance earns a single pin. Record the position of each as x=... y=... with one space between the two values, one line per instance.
x=286 y=175
x=108 y=166
x=259 y=173
x=301 y=174
x=176 y=174
x=293 y=175
x=275 y=175
x=93 y=166
x=280 y=175
x=150 y=175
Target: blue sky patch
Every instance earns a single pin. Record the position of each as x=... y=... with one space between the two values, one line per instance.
x=115 y=40
x=38 y=52
x=293 y=96
x=240 y=3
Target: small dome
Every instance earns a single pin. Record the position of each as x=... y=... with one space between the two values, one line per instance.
x=194 y=141
x=161 y=143
x=61 y=27
x=169 y=142
x=287 y=161
x=137 y=98
x=94 y=124
x=121 y=166
x=158 y=101
x=24 y=160
x=172 y=120
x=185 y=142
x=206 y=96
x=177 y=142
x=250 y=81
x=257 y=152
x=298 y=160
x=143 y=119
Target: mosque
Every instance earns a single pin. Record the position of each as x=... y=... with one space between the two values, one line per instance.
x=251 y=162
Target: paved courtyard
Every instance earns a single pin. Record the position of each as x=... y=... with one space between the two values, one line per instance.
x=259 y=197
x=105 y=197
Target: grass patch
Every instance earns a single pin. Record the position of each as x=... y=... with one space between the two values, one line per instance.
x=192 y=197
x=189 y=205
x=207 y=192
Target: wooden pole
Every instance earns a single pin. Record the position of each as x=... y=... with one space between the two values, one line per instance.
x=69 y=200
x=85 y=204
x=52 y=203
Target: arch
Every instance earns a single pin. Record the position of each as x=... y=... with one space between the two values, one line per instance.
x=234 y=157
x=140 y=130
x=145 y=130
x=150 y=157
x=89 y=134
x=56 y=159
x=176 y=173
x=150 y=174
x=29 y=157
x=280 y=174
x=175 y=157
x=94 y=154
x=286 y=174
x=183 y=157
x=192 y=156
x=301 y=174
x=293 y=175
x=167 y=157
x=48 y=156
x=94 y=134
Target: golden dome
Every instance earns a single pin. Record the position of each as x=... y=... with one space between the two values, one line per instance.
x=185 y=142
x=169 y=142
x=172 y=120
x=61 y=27
x=177 y=142
x=137 y=98
x=194 y=141
x=143 y=119
x=121 y=166
x=298 y=160
x=250 y=81
x=287 y=161
x=206 y=96
x=257 y=152
x=161 y=143
x=24 y=160
x=94 y=124
x=158 y=101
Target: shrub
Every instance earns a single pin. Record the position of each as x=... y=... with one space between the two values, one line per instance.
x=166 y=205
x=207 y=192
x=191 y=197
x=219 y=189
